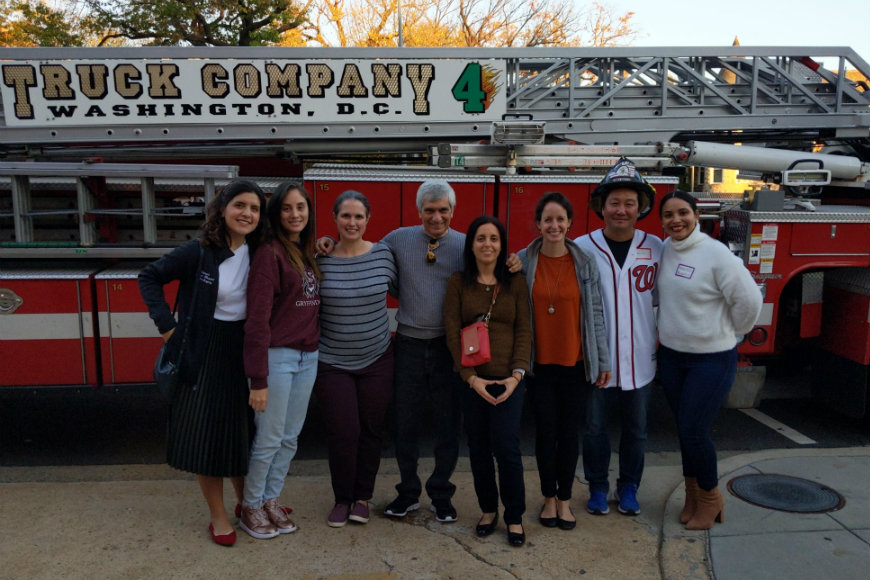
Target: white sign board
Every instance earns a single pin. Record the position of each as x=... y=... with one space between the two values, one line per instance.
x=110 y=92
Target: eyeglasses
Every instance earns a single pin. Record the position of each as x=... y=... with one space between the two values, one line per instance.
x=430 y=255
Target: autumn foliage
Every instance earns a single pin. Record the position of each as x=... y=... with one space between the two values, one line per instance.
x=364 y=23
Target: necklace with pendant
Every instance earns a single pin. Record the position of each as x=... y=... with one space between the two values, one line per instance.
x=551 y=309
x=486 y=285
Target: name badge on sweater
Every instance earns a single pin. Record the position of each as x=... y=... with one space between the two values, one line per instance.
x=684 y=271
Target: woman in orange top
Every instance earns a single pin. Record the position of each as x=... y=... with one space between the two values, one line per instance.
x=570 y=348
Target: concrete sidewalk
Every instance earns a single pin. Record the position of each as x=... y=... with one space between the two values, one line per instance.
x=765 y=544
x=150 y=522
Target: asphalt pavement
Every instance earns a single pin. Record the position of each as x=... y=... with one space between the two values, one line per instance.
x=149 y=521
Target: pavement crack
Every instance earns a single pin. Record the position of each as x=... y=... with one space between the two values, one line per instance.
x=438 y=528
x=468 y=550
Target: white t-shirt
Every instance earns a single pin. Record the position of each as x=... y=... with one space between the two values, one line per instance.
x=232 y=286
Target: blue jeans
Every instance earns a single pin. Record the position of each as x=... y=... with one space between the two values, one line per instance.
x=696 y=386
x=424 y=374
x=291 y=379
x=633 y=407
x=494 y=433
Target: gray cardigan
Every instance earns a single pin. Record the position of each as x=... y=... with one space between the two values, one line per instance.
x=596 y=355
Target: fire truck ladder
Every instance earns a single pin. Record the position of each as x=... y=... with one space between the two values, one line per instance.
x=678 y=94
x=24 y=177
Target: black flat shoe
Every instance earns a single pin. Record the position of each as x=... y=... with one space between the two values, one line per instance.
x=486 y=529
x=566 y=524
x=547 y=522
x=516 y=539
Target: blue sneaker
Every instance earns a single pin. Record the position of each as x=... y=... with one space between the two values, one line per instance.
x=627 y=496
x=597 y=504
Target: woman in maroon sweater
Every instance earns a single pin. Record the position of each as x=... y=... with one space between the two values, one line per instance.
x=281 y=337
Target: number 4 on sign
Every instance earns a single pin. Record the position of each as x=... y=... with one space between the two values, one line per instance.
x=469 y=89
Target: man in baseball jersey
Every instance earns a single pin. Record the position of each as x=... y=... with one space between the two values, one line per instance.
x=628 y=261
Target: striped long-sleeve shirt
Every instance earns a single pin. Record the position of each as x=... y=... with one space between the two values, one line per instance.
x=354 y=324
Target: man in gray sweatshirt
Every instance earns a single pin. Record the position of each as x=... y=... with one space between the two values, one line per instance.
x=425 y=383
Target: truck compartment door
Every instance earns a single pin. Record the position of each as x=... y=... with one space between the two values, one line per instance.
x=46 y=326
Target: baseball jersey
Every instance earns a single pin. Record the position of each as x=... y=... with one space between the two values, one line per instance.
x=628 y=299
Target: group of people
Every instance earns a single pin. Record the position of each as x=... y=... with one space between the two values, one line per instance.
x=275 y=315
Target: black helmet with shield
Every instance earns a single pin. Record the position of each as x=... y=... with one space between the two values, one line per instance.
x=624 y=175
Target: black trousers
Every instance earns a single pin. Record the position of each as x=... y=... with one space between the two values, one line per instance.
x=559 y=399
x=494 y=431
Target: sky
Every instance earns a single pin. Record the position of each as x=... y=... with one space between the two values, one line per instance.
x=753 y=22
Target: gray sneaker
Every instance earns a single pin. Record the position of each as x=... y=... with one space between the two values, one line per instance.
x=256 y=522
x=279 y=519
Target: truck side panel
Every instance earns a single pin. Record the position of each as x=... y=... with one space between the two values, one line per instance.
x=49 y=338
x=128 y=338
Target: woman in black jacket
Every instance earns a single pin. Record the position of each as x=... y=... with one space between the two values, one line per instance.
x=210 y=423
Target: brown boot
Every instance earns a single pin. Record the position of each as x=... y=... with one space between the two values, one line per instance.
x=710 y=508
x=691 y=500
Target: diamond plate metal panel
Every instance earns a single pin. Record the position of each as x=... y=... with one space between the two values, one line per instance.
x=812 y=287
x=736 y=231
x=391 y=173
x=827 y=214
x=856 y=280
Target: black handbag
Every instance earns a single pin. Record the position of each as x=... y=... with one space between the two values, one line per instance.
x=167 y=372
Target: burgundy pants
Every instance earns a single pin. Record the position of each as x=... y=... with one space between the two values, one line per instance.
x=354 y=406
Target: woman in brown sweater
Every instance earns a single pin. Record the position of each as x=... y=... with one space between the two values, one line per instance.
x=493 y=404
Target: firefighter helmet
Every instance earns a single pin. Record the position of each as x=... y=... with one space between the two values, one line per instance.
x=624 y=175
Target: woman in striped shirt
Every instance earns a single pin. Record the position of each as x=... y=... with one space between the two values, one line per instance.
x=355 y=369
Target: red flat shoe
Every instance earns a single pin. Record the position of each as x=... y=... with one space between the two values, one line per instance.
x=223 y=539
x=287 y=510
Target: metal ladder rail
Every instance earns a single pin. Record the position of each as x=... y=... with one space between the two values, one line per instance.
x=23 y=214
x=765 y=88
x=829 y=93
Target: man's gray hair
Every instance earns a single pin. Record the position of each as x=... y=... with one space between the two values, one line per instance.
x=433 y=190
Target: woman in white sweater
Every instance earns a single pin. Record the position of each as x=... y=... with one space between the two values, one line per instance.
x=707 y=301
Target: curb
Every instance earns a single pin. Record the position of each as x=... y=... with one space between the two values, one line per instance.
x=684 y=554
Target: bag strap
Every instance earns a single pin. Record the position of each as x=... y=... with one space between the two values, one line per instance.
x=190 y=310
x=491 y=304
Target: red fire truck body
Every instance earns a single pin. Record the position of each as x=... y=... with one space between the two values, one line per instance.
x=107 y=157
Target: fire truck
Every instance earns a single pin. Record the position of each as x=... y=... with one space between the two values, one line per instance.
x=108 y=156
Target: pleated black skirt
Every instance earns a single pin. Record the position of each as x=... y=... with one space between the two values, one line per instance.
x=211 y=425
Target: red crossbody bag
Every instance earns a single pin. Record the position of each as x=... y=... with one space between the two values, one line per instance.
x=474 y=339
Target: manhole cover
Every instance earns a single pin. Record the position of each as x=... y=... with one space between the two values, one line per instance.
x=786 y=493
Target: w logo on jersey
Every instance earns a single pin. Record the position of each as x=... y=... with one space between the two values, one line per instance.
x=644 y=277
